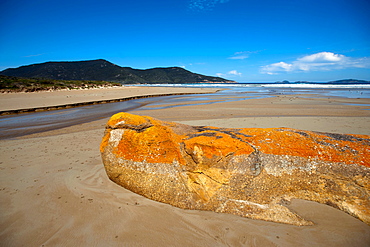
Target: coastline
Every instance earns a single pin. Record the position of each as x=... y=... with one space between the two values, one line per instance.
x=56 y=192
x=307 y=112
x=11 y=103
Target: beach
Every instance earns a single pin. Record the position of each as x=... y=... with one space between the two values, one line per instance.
x=55 y=192
x=44 y=99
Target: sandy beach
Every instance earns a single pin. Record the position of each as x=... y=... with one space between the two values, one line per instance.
x=55 y=192
x=16 y=101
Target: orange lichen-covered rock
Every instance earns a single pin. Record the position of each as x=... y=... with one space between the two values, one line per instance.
x=249 y=172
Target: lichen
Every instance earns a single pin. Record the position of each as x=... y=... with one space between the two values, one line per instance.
x=245 y=172
x=312 y=145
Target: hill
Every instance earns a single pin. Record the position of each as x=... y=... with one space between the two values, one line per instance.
x=102 y=70
x=349 y=81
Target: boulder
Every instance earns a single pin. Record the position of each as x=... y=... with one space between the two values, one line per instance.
x=250 y=172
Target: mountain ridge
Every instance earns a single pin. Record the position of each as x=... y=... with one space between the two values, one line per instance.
x=103 y=70
x=338 y=82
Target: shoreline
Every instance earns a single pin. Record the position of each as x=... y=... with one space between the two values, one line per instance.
x=13 y=103
x=67 y=106
x=312 y=112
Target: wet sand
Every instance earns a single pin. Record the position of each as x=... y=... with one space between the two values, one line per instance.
x=315 y=113
x=54 y=190
x=16 y=101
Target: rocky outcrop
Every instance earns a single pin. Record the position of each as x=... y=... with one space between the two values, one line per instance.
x=250 y=172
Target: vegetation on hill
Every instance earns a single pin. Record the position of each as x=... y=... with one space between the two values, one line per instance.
x=102 y=70
x=16 y=84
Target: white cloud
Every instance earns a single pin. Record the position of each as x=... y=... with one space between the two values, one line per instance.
x=240 y=55
x=317 y=62
x=322 y=57
x=204 y=4
x=230 y=73
x=234 y=72
x=281 y=66
x=36 y=55
x=243 y=54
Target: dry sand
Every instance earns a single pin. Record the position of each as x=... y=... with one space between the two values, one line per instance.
x=54 y=190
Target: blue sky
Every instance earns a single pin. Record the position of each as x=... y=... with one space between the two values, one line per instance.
x=241 y=40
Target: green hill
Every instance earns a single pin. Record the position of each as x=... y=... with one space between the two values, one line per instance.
x=102 y=70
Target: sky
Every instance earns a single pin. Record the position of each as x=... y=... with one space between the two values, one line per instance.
x=240 y=40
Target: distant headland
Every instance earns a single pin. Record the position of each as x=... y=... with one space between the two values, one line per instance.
x=102 y=70
x=345 y=81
